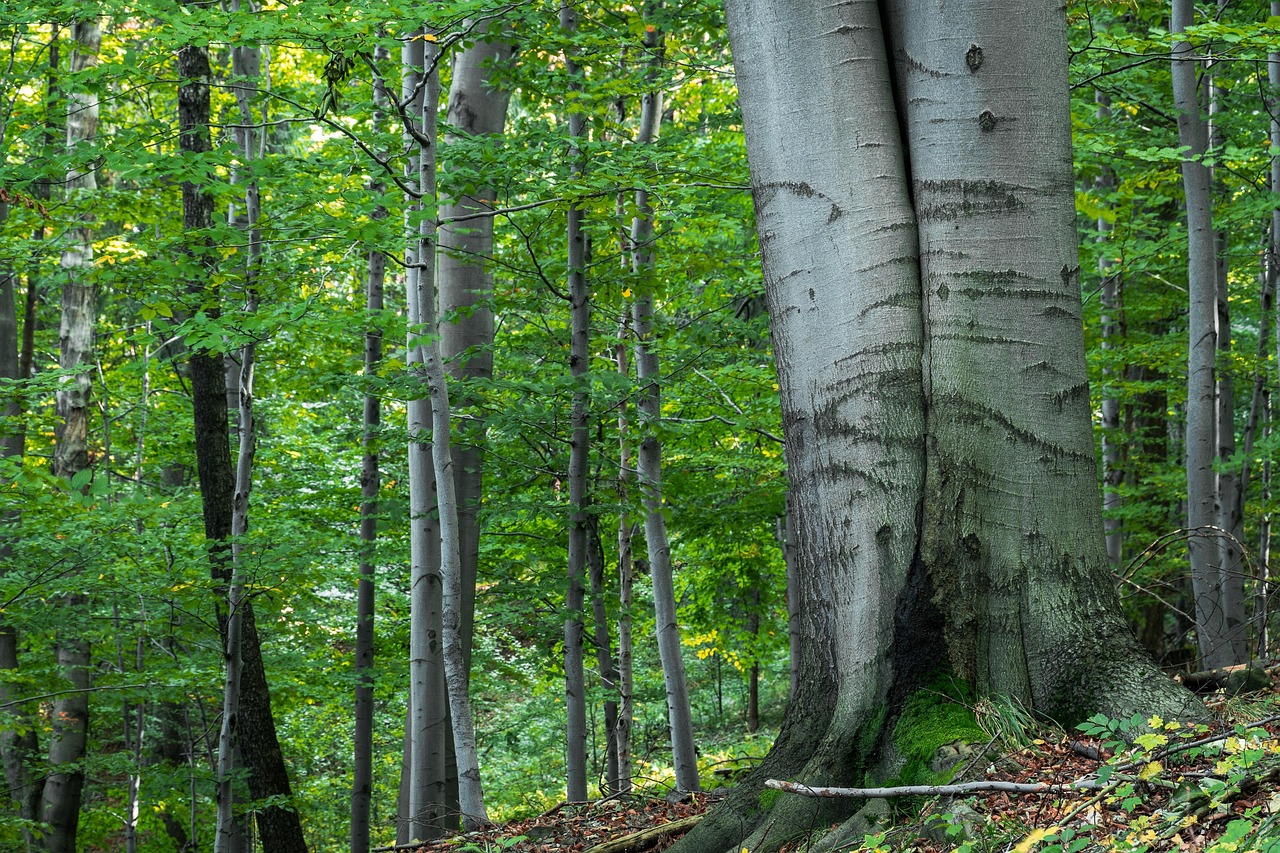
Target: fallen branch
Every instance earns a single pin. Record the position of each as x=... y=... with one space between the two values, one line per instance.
x=936 y=790
x=645 y=838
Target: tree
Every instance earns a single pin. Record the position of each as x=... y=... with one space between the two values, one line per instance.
x=1219 y=631
x=918 y=244
x=278 y=822
x=649 y=453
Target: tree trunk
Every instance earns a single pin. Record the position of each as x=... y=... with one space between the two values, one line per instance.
x=1111 y=437
x=604 y=659
x=278 y=824
x=1202 y=324
x=786 y=538
x=246 y=65
x=476 y=108
x=626 y=578
x=1230 y=556
x=575 y=687
x=428 y=706
x=425 y=348
x=70 y=720
x=18 y=739
x=939 y=448
x=649 y=457
x=370 y=483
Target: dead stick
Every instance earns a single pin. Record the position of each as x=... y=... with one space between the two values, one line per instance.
x=645 y=838
x=935 y=790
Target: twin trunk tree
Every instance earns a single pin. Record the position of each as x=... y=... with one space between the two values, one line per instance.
x=911 y=164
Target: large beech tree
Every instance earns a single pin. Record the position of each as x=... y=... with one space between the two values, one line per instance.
x=911 y=165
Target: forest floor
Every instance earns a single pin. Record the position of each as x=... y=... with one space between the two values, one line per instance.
x=1211 y=788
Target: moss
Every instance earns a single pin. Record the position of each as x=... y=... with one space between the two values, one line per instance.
x=768 y=797
x=933 y=717
x=869 y=736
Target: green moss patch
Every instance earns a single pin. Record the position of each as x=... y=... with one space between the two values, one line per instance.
x=937 y=716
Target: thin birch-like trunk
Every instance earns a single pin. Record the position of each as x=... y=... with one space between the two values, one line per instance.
x=649 y=457
x=424 y=331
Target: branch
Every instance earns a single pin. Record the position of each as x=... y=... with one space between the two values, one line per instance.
x=936 y=790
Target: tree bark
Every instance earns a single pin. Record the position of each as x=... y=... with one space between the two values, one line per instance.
x=425 y=346
x=64 y=784
x=428 y=706
x=278 y=824
x=918 y=241
x=626 y=577
x=1111 y=325
x=649 y=456
x=370 y=483
x=1202 y=325
x=575 y=687
x=476 y=108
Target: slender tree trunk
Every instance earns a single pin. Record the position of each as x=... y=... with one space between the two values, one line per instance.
x=246 y=64
x=1273 y=273
x=604 y=659
x=753 y=674
x=65 y=782
x=370 y=483
x=428 y=706
x=626 y=576
x=1202 y=323
x=465 y=283
x=786 y=538
x=649 y=458
x=1229 y=540
x=476 y=108
x=18 y=739
x=1111 y=439
x=278 y=824
x=579 y=447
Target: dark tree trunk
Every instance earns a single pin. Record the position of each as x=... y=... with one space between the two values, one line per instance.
x=279 y=827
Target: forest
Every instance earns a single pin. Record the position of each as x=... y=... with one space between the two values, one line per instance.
x=423 y=417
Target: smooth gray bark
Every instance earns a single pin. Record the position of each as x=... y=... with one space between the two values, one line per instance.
x=429 y=724
x=476 y=108
x=918 y=243
x=649 y=454
x=424 y=347
x=1230 y=556
x=1202 y=326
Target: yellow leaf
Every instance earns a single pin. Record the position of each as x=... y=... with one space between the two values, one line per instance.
x=1151 y=771
x=626 y=294
x=429 y=37
x=1034 y=838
